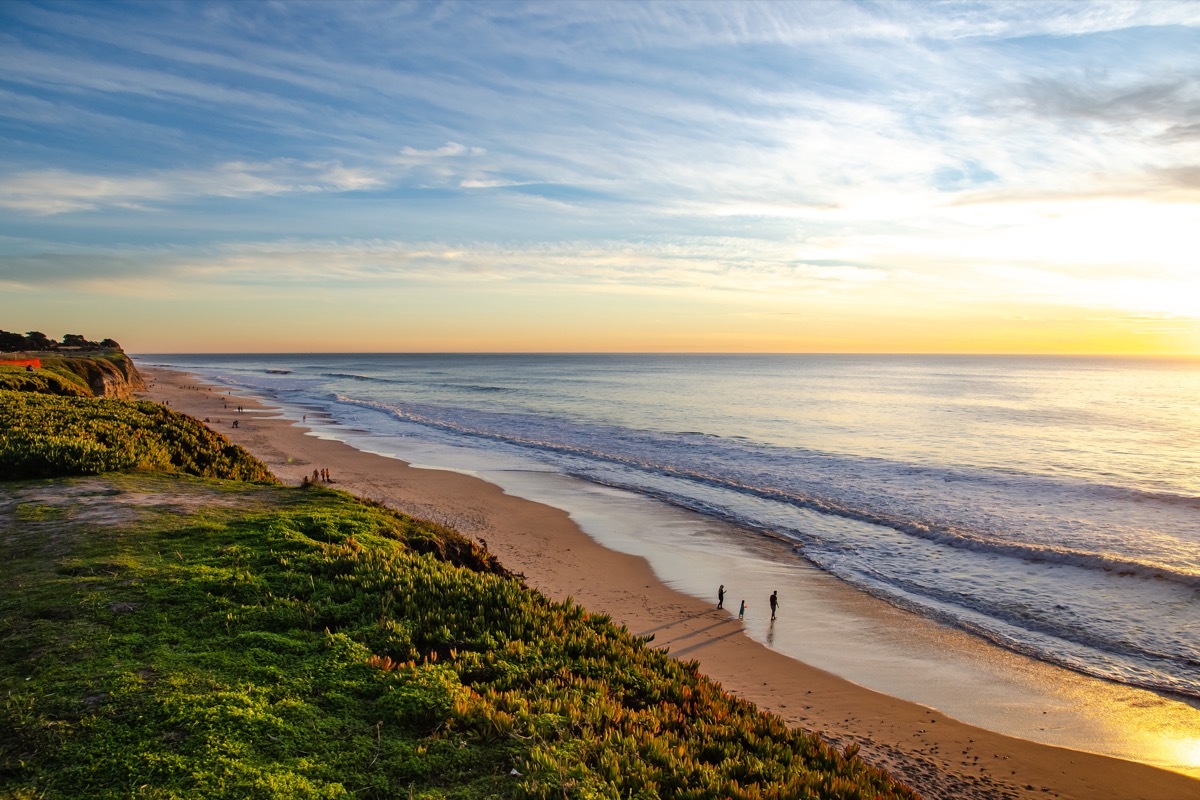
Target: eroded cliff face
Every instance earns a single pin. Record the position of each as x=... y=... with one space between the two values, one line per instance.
x=109 y=375
x=115 y=376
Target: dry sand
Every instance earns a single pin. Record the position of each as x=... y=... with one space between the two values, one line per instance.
x=940 y=757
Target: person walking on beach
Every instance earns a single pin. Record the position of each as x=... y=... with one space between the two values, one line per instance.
x=774 y=603
x=742 y=611
x=721 y=596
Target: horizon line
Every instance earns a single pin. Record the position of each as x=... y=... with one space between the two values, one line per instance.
x=661 y=353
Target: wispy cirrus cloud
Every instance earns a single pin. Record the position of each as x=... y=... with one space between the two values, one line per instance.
x=769 y=150
x=620 y=266
x=61 y=191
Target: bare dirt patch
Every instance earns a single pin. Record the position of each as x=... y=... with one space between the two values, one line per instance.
x=48 y=516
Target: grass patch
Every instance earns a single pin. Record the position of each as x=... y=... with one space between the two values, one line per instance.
x=234 y=641
x=46 y=436
x=42 y=381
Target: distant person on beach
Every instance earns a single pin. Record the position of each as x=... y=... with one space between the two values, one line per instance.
x=742 y=611
x=316 y=476
x=774 y=603
x=235 y=422
x=721 y=596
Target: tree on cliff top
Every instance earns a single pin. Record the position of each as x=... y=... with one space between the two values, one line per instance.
x=36 y=340
x=11 y=342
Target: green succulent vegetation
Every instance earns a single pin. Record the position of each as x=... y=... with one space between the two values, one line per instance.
x=42 y=381
x=47 y=436
x=171 y=636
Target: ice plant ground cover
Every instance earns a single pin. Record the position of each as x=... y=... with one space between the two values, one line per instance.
x=176 y=636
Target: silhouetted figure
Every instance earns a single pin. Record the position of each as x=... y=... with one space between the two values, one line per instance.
x=774 y=603
x=721 y=596
x=742 y=611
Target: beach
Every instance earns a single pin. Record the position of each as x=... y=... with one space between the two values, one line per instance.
x=932 y=752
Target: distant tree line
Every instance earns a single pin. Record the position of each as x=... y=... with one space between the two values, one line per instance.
x=38 y=341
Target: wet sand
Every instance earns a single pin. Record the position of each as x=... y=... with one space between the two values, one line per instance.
x=940 y=757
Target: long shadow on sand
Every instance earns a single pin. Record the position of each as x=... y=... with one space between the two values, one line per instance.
x=706 y=643
x=699 y=631
x=673 y=623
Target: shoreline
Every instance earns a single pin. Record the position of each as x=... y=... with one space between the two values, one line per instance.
x=928 y=750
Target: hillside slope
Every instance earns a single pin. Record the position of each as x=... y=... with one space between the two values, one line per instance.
x=94 y=374
x=170 y=636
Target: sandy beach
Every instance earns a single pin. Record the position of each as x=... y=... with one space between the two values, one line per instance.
x=935 y=754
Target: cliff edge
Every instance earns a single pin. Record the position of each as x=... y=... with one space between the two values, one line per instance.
x=108 y=373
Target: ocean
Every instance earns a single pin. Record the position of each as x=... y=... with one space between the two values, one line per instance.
x=1046 y=504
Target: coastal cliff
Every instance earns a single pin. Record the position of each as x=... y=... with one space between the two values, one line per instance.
x=73 y=366
x=108 y=373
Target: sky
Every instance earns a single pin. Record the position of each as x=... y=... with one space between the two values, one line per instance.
x=1012 y=177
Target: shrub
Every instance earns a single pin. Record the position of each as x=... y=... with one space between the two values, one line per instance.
x=46 y=436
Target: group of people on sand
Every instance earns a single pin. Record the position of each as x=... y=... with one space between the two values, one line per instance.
x=319 y=476
x=774 y=602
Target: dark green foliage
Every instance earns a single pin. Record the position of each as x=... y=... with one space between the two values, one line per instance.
x=45 y=436
x=11 y=342
x=234 y=641
x=37 y=341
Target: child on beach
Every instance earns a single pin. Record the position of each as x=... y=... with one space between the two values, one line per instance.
x=742 y=611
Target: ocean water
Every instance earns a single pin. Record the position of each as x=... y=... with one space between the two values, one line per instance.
x=1047 y=504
